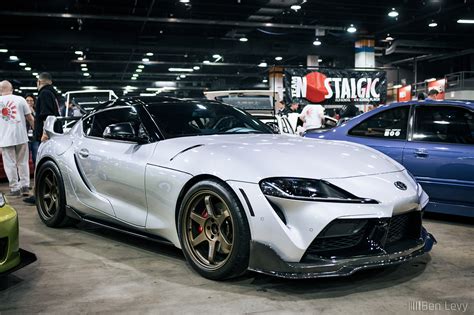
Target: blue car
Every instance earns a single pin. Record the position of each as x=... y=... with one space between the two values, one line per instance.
x=434 y=140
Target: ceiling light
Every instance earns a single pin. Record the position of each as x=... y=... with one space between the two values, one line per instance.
x=182 y=76
x=389 y=38
x=295 y=7
x=14 y=58
x=184 y=1
x=320 y=60
x=206 y=61
x=393 y=13
x=90 y=87
x=149 y=54
x=3 y=50
x=216 y=56
x=145 y=59
x=83 y=65
x=433 y=24
x=133 y=78
x=430 y=80
x=135 y=75
x=278 y=58
x=244 y=39
x=262 y=64
x=27 y=69
x=80 y=58
x=264 y=81
x=84 y=69
x=139 y=70
x=351 y=29
x=22 y=64
x=317 y=42
x=129 y=87
x=141 y=66
x=180 y=69
x=178 y=78
x=465 y=21
x=78 y=52
x=35 y=73
x=28 y=88
x=196 y=67
x=86 y=74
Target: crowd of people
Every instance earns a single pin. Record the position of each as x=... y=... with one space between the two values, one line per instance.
x=21 y=131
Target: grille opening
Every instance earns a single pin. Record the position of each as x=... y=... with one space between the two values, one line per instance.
x=278 y=211
x=3 y=248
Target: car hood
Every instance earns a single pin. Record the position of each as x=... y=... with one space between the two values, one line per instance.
x=254 y=157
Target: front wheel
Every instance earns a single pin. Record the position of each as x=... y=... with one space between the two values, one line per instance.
x=214 y=231
x=50 y=196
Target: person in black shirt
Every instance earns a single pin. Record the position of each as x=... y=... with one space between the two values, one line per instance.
x=46 y=104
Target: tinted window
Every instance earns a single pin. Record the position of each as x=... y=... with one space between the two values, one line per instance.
x=389 y=124
x=103 y=119
x=444 y=124
x=203 y=118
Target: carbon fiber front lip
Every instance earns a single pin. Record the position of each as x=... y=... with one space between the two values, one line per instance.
x=265 y=260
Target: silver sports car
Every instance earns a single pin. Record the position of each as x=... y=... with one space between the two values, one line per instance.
x=217 y=183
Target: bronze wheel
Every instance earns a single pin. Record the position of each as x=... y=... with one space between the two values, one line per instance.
x=49 y=195
x=214 y=231
x=209 y=229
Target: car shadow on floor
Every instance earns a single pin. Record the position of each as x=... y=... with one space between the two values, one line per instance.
x=260 y=284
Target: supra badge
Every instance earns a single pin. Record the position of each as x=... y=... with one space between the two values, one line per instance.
x=400 y=185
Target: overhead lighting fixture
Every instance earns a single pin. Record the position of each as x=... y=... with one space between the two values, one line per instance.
x=146 y=60
x=141 y=66
x=351 y=29
x=22 y=64
x=14 y=58
x=196 y=68
x=3 y=50
x=149 y=54
x=85 y=69
x=89 y=87
x=178 y=78
x=80 y=58
x=216 y=56
x=184 y=1
x=133 y=78
x=317 y=42
x=433 y=24
x=295 y=7
x=389 y=38
x=35 y=73
x=180 y=69
x=28 y=88
x=79 y=52
x=139 y=70
x=262 y=64
x=430 y=80
x=135 y=75
x=244 y=39
x=206 y=61
x=264 y=81
x=129 y=87
x=320 y=60
x=27 y=68
x=397 y=86
x=83 y=65
x=278 y=58
x=393 y=13
x=182 y=76
x=86 y=74
x=465 y=21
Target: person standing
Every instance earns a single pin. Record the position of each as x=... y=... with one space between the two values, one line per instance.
x=32 y=143
x=46 y=105
x=14 y=139
x=312 y=116
x=433 y=94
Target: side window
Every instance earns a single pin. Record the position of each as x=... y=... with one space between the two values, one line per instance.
x=447 y=124
x=114 y=116
x=389 y=124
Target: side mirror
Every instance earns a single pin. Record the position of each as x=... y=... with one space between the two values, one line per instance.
x=122 y=131
x=273 y=126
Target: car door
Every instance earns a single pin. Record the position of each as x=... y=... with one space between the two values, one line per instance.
x=385 y=131
x=440 y=154
x=115 y=169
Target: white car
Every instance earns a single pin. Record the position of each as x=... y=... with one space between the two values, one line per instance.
x=214 y=181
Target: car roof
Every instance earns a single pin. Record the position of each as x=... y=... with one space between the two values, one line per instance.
x=435 y=102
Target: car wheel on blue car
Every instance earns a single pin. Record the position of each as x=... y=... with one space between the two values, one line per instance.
x=50 y=196
x=214 y=231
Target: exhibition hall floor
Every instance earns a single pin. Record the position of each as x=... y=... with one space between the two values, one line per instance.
x=90 y=269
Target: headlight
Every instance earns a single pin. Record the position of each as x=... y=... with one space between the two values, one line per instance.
x=308 y=189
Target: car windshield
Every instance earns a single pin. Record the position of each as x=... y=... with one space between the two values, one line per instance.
x=195 y=118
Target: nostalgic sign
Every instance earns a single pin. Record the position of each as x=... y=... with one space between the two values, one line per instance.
x=335 y=87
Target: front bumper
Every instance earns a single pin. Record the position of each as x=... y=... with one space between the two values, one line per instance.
x=265 y=260
x=26 y=258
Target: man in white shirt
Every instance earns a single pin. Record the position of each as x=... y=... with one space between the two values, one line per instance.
x=312 y=116
x=14 y=112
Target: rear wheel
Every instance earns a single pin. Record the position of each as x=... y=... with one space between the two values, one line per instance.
x=214 y=232
x=50 y=196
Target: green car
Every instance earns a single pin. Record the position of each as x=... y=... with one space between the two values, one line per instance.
x=11 y=256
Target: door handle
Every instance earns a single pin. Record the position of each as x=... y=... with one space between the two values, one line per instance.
x=83 y=153
x=421 y=153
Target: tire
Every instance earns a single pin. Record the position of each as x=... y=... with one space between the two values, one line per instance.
x=50 y=196
x=212 y=220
